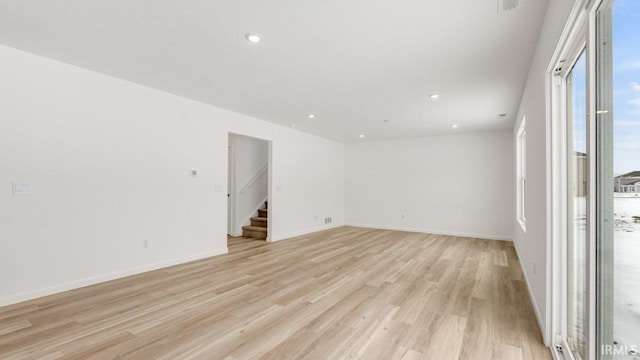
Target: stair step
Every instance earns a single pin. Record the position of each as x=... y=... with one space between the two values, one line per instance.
x=259 y=221
x=257 y=232
x=254 y=228
x=263 y=213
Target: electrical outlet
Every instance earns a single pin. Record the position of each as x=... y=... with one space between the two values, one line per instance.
x=145 y=244
x=402 y=216
x=327 y=220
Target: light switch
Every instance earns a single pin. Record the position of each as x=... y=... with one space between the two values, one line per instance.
x=21 y=188
x=218 y=188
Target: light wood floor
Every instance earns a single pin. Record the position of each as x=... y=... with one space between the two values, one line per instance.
x=346 y=293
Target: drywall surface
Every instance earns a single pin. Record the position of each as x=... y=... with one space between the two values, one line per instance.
x=109 y=164
x=251 y=156
x=458 y=184
x=532 y=246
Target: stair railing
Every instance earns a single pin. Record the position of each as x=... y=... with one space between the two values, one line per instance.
x=254 y=179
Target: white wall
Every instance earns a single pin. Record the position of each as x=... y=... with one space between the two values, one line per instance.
x=532 y=246
x=459 y=184
x=250 y=156
x=109 y=165
x=251 y=181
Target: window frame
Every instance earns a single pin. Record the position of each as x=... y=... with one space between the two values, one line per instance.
x=573 y=42
x=579 y=33
x=521 y=174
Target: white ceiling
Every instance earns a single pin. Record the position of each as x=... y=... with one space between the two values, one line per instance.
x=352 y=63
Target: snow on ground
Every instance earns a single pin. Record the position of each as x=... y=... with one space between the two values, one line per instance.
x=627 y=271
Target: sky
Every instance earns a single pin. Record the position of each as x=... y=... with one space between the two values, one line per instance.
x=579 y=103
x=626 y=83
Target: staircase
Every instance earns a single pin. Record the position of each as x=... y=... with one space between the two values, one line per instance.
x=258 y=227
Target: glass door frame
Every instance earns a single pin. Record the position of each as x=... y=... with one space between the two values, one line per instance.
x=578 y=36
x=572 y=235
x=604 y=131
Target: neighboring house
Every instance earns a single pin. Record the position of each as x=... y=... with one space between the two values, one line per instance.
x=580 y=175
x=627 y=183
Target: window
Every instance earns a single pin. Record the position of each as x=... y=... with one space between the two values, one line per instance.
x=521 y=166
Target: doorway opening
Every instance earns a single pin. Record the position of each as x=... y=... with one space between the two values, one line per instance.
x=248 y=207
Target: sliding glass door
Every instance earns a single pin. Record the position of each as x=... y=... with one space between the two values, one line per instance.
x=577 y=165
x=596 y=161
x=617 y=69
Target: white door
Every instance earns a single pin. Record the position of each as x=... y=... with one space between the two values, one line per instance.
x=230 y=182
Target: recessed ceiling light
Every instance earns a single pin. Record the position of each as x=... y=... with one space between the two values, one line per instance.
x=434 y=96
x=311 y=116
x=253 y=37
x=361 y=135
x=455 y=126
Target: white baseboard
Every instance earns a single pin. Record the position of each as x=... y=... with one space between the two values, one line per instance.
x=30 y=295
x=533 y=301
x=535 y=305
x=431 y=231
x=304 y=232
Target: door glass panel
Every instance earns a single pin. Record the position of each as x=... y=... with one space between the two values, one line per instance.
x=618 y=126
x=577 y=206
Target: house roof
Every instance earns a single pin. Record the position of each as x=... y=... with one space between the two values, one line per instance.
x=633 y=174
